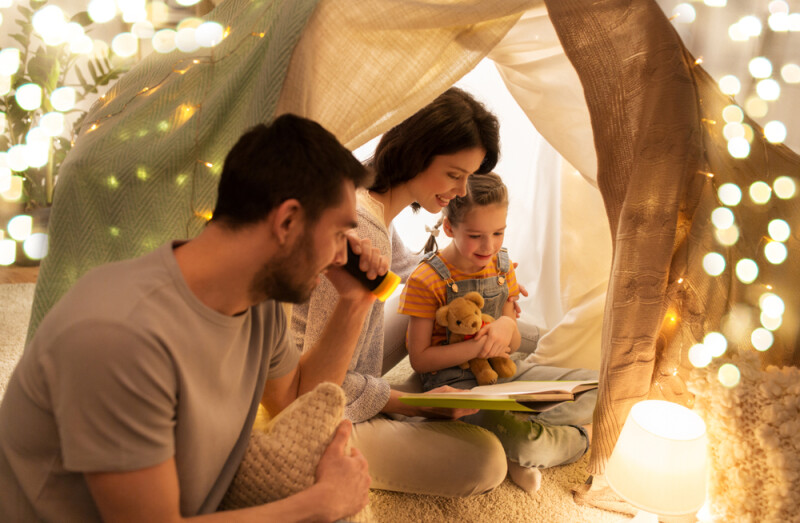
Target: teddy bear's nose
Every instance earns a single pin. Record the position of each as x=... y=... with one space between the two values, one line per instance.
x=474 y=325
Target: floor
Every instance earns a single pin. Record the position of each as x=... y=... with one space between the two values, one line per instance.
x=18 y=274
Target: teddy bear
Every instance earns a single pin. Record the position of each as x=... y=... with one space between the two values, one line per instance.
x=463 y=318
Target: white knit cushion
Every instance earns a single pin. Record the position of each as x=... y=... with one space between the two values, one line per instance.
x=282 y=457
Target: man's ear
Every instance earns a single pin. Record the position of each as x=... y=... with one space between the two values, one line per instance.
x=287 y=221
x=447 y=227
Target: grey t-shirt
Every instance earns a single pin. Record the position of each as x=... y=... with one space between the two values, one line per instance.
x=126 y=371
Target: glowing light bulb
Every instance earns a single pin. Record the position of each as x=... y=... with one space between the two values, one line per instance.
x=775 y=252
x=63 y=99
x=716 y=344
x=9 y=61
x=771 y=304
x=8 y=252
x=733 y=130
x=143 y=30
x=751 y=25
x=29 y=96
x=52 y=123
x=722 y=218
x=19 y=227
x=125 y=45
x=730 y=194
x=760 y=67
x=768 y=89
x=714 y=263
x=746 y=270
x=778 y=22
x=760 y=192
x=771 y=323
x=784 y=187
x=15 y=159
x=684 y=14
x=775 y=131
x=185 y=40
x=729 y=375
x=35 y=246
x=762 y=339
x=733 y=114
x=102 y=11
x=164 y=41
x=209 y=34
x=739 y=147
x=791 y=73
x=727 y=236
x=730 y=85
x=699 y=355
x=779 y=230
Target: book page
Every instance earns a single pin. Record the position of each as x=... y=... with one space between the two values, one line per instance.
x=534 y=387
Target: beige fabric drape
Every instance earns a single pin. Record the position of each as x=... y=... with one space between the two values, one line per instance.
x=362 y=67
x=656 y=118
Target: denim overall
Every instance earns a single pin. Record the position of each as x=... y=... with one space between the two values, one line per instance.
x=495 y=294
x=543 y=440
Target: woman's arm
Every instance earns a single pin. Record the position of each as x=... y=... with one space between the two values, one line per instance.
x=425 y=357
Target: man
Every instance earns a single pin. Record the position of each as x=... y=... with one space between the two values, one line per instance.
x=135 y=399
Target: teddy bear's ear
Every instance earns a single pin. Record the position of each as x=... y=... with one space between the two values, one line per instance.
x=441 y=315
x=475 y=297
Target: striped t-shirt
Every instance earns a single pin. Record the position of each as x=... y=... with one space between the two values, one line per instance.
x=426 y=291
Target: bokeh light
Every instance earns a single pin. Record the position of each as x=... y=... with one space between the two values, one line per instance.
x=63 y=98
x=714 y=263
x=768 y=89
x=730 y=85
x=779 y=230
x=760 y=192
x=125 y=45
x=746 y=270
x=102 y=11
x=727 y=236
x=729 y=375
x=9 y=61
x=164 y=41
x=760 y=67
x=771 y=304
x=729 y=194
x=19 y=227
x=733 y=113
x=791 y=73
x=722 y=218
x=775 y=252
x=716 y=343
x=699 y=355
x=8 y=252
x=784 y=187
x=771 y=322
x=209 y=34
x=739 y=147
x=684 y=13
x=762 y=339
x=35 y=246
x=29 y=96
x=775 y=131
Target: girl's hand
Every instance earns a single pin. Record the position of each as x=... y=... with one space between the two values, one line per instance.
x=497 y=336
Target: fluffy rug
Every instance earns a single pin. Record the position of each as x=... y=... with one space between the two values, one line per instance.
x=507 y=504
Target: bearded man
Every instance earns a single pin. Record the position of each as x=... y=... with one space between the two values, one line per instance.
x=135 y=399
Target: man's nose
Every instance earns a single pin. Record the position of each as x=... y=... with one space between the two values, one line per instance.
x=341 y=254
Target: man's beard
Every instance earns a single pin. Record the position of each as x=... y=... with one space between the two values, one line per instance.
x=287 y=277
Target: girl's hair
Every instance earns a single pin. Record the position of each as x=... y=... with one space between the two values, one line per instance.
x=453 y=122
x=482 y=189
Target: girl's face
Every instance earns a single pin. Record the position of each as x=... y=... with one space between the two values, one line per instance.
x=445 y=178
x=479 y=236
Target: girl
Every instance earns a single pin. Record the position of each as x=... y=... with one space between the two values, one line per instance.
x=475 y=261
x=422 y=162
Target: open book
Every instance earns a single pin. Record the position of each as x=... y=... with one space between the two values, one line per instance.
x=527 y=396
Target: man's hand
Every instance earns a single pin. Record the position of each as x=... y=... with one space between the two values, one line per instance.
x=371 y=262
x=342 y=478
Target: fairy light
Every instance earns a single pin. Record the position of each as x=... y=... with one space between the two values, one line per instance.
x=729 y=194
x=63 y=99
x=779 y=230
x=20 y=227
x=771 y=323
x=35 y=246
x=8 y=252
x=746 y=270
x=760 y=192
x=791 y=73
x=756 y=107
x=714 y=263
x=699 y=355
x=29 y=96
x=784 y=187
x=771 y=304
x=768 y=89
x=775 y=131
x=775 y=252
x=9 y=61
x=716 y=343
x=739 y=147
x=722 y=218
x=762 y=339
x=729 y=375
x=102 y=11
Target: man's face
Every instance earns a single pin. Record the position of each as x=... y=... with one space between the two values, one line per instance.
x=292 y=276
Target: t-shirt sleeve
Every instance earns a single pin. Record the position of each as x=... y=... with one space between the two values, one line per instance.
x=511 y=280
x=284 y=355
x=419 y=297
x=114 y=397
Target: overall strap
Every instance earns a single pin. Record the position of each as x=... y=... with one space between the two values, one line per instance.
x=503 y=261
x=441 y=269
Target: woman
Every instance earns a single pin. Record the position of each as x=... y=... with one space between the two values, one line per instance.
x=423 y=162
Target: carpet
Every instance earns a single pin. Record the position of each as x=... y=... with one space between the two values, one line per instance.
x=507 y=503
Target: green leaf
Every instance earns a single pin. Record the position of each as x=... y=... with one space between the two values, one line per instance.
x=81 y=78
x=39 y=67
x=92 y=71
x=27 y=13
x=82 y=18
x=22 y=39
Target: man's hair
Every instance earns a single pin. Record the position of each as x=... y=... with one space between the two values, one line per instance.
x=293 y=157
x=453 y=122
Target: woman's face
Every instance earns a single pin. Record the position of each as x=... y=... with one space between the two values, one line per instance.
x=445 y=178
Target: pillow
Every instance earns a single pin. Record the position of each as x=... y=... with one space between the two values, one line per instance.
x=282 y=457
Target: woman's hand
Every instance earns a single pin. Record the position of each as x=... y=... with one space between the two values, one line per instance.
x=396 y=406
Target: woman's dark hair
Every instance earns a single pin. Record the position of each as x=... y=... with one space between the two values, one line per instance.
x=454 y=121
x=482 y=189
x=293 y=157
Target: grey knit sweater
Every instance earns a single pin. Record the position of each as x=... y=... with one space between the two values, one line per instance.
x=366 y=391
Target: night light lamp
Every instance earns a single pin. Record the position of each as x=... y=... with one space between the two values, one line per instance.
x=659 y=462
